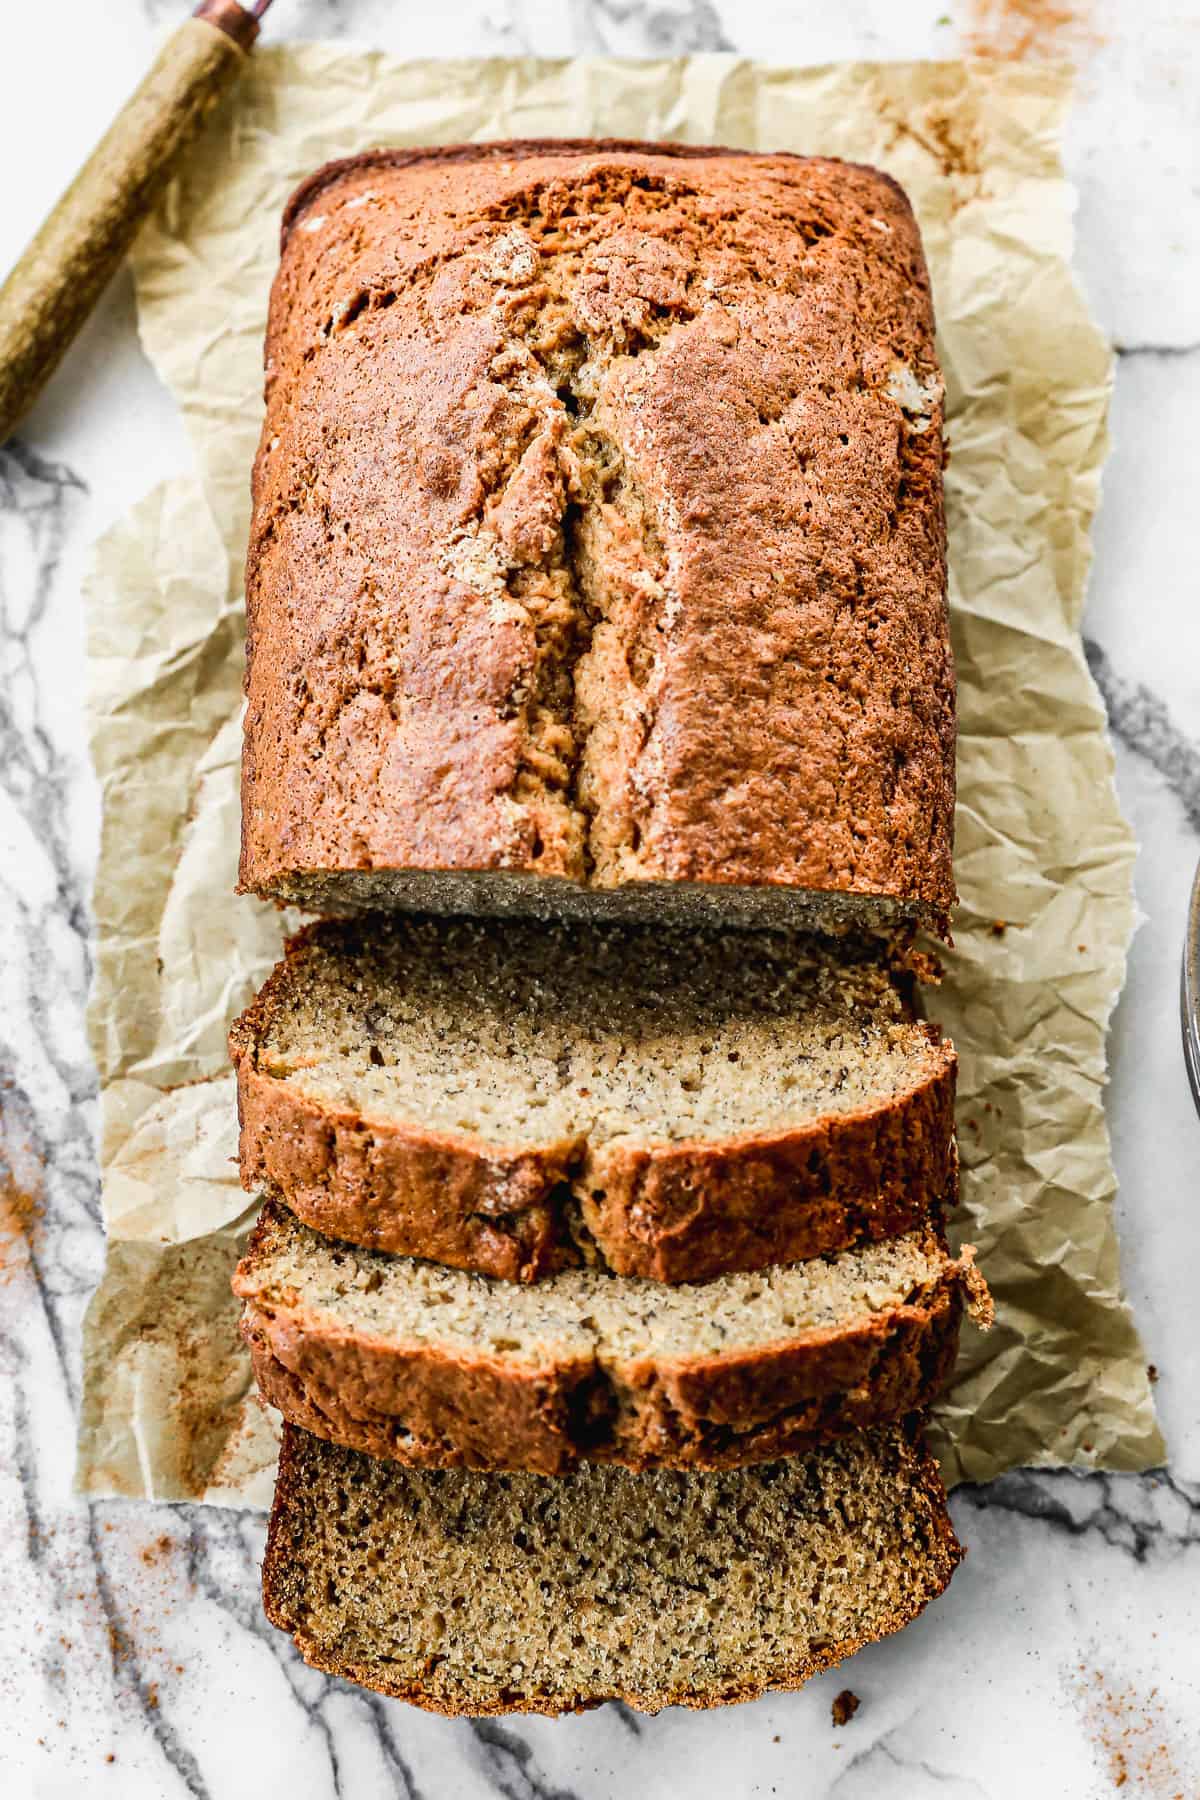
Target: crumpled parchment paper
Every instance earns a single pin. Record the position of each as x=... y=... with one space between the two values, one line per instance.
x=1044 y=858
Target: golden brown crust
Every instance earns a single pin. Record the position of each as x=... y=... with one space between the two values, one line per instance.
x=770 y=700
x=507 y=149
x=286 y=1568
x=674 y=1212
x=678 y=1212
x=787 y=1679
x=430 y=1408
x=385 y=1186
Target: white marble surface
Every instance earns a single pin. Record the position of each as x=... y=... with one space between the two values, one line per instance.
x=133 y=1656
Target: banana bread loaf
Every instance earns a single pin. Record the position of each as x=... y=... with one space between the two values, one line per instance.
x=514 y=1097
x=476 y=1594
x=443 y=1368
x=598 y=557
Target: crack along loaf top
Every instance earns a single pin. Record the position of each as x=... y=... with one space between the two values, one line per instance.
x=598 y=556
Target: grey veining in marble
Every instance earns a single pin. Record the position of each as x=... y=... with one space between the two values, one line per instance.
x=49 y=1081
x=656 y=27
x=134 y=1657
x=1144 y=724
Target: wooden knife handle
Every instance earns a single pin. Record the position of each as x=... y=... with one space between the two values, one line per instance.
x=58 y=280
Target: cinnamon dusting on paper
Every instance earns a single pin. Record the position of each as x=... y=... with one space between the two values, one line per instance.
x=954 y=146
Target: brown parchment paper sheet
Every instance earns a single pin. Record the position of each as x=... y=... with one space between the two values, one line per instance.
x=168 y=1409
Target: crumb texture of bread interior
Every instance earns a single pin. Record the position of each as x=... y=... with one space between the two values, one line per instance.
x=598 y=536
x=475 y=1594
x=500 y=893
x=517 y=1033
x=349 y=1296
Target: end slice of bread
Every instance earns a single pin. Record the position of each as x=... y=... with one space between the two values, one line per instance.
x=442 y=1368
x=477 y=1594
x=517 y=1098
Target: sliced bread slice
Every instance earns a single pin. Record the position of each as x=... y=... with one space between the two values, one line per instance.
x=469 y=1593
x=515 y=1098
x=440 y=1367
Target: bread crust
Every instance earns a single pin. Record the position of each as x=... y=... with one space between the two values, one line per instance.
x=303 y=197
x=388 y=724
x=681 y=1211
x=285 y=1567
x=437 y=1408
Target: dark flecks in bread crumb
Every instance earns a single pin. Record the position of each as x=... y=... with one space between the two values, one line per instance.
x=441 y=1368
x=470 y=1593
x=580 y=1312
x=523 y=1032
x=515 y=1097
